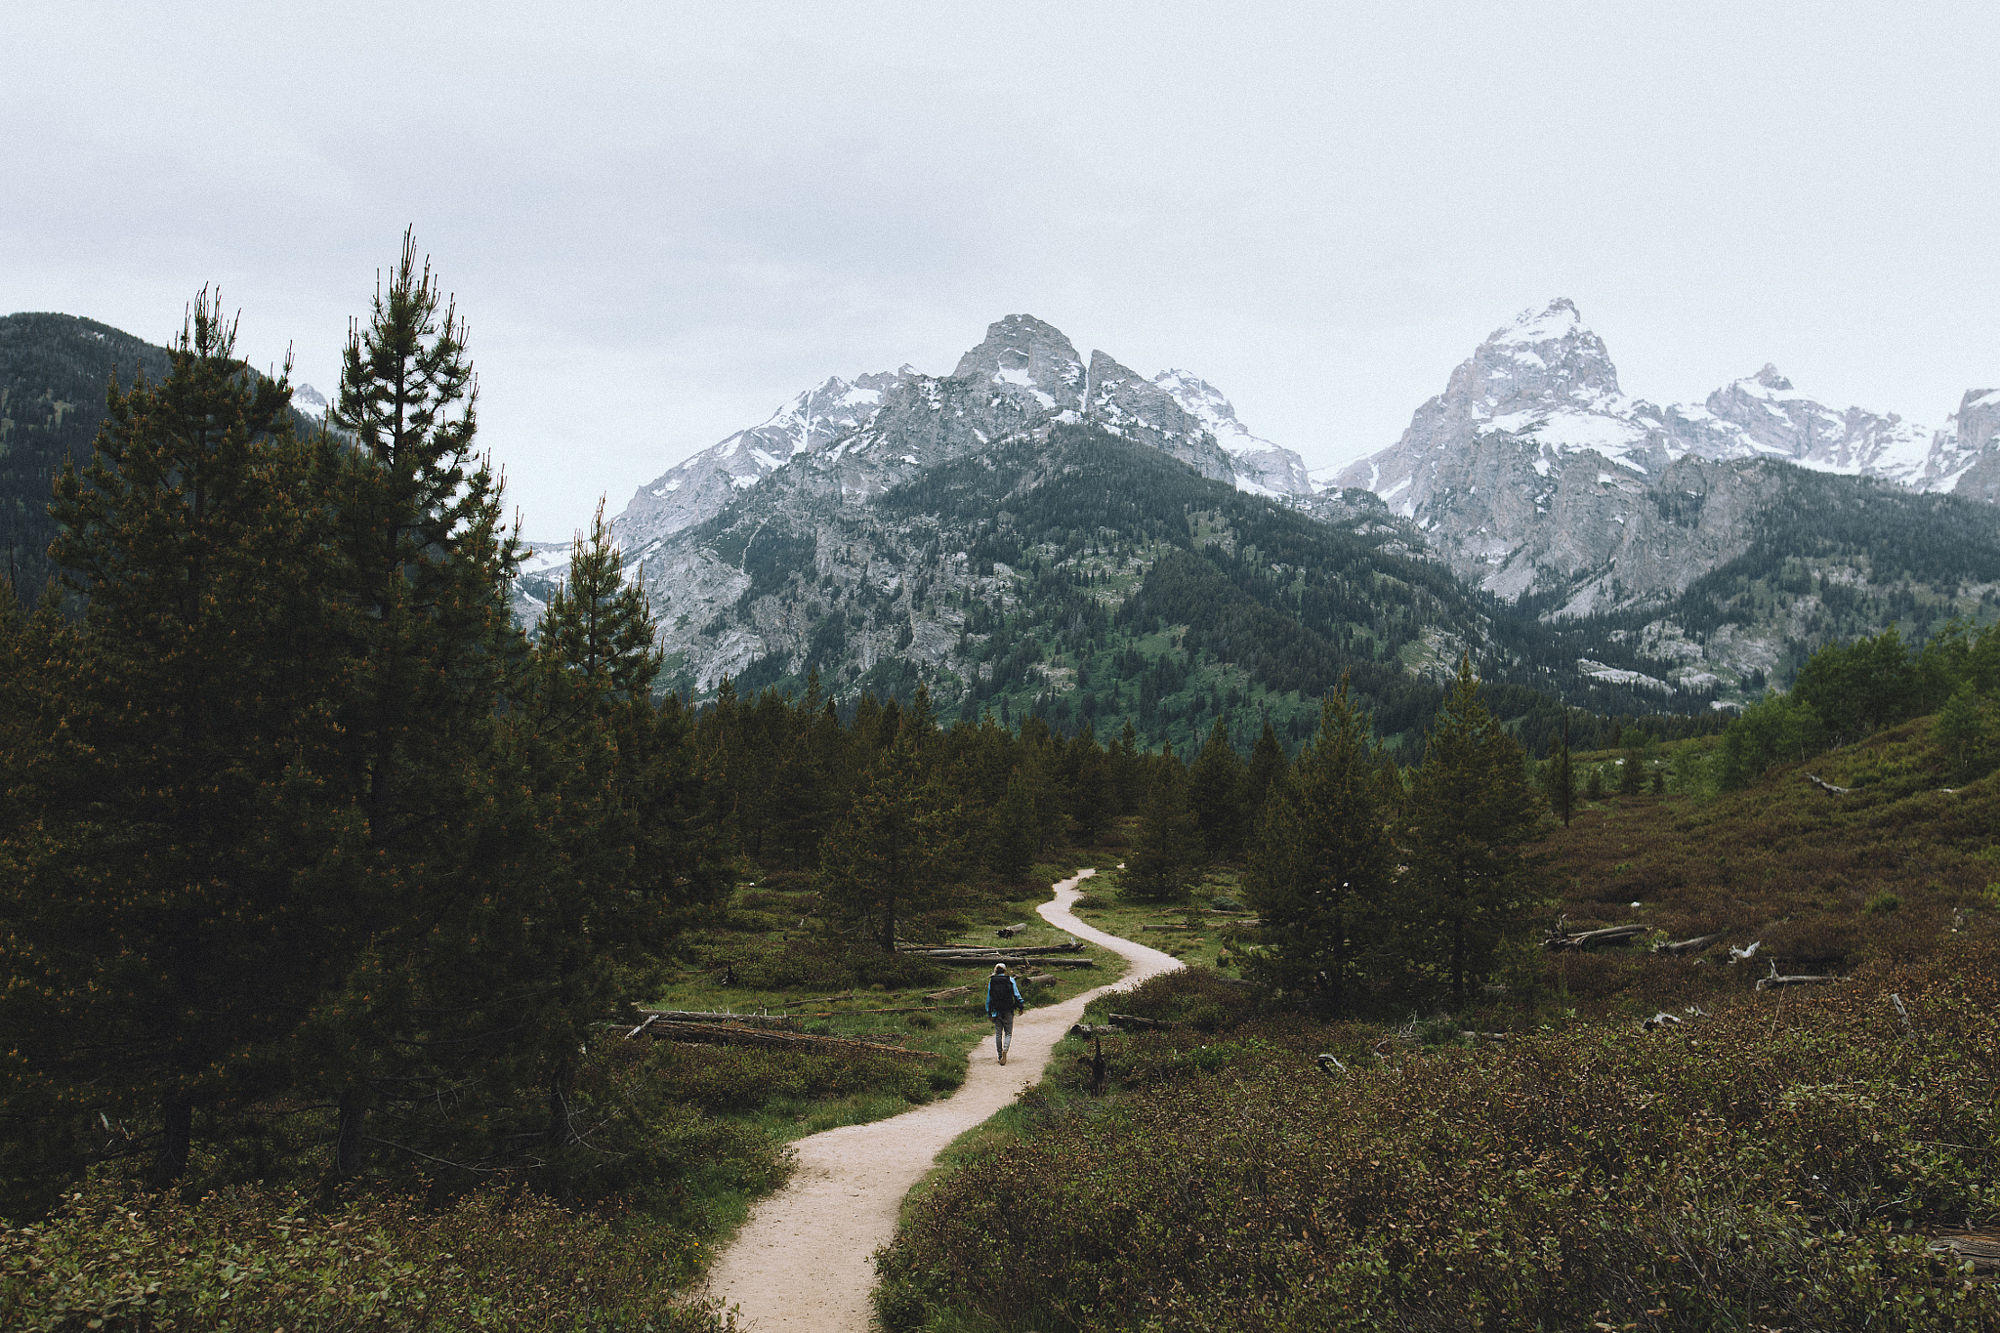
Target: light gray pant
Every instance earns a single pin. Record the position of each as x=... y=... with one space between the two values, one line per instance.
x=1003 y=1033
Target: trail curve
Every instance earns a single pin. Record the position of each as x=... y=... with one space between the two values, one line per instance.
x=804 y=1261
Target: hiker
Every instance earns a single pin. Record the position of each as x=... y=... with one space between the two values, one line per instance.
x=1003 y=1000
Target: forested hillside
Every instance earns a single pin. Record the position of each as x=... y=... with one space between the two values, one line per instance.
x=1831 y=558
x=1083 y=579
x=53 y=373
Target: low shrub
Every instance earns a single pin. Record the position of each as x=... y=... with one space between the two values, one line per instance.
x=252 y=1259
x=1777 y=1165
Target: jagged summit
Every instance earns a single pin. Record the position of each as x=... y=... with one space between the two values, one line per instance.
x=1025 y=375
x=1770 y=378
x=1027 y=358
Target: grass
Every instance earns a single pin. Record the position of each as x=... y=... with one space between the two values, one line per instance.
x=1195 y=931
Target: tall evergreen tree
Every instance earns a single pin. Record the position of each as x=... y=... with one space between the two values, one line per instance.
x=1267 y=766
x=1471 y=813
x=1216 y=786
x=427 y=562
x=894 y=846
x=171 y=900
x=1166 y=854
x=1559 y=776
x=1320 y=871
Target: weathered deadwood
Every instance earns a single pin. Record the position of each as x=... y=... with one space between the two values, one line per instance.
x=650 y=1020
x=899 y=1009
x=1695 y=945
x=1592 y=939
x=989 y=950
x=718 y=1016
x=1011 y=960
x=1009 y=932
x=1828 y=787
x=1172 y=927
x=717 y=1034
x=1981 y=1249
x=1134 y=1021
x=1767 y=983
x=949 y=993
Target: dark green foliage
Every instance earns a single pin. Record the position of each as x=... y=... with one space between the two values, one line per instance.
x=259 y=1258
x=169 y=886
x=295 y=823
x=895 y=845
x=1470 y=816
x=1216 y=782
x=54 y=374
x=1166 y=854
x=1321 y=871
x=1559 y=777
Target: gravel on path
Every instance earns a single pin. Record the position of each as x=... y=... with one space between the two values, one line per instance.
x=805 y=1259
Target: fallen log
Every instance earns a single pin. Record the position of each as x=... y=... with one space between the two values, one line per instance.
x=1134 y=1021
x=948 y=994
x=719 y=1016
x=1828 y=787
x=1695 y=945
x=990 y=950
x=1592 y=939
x=1171 y=927
x=1011 y=960
x=1981 y=1249
x=1774 y=980
x=717 y=1034
x=1009 y=932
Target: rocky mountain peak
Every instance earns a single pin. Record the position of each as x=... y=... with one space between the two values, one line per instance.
x=1548 y=352
x=1771 y=379
x=1023 y=353
x=1201 y=400
x=309 y=400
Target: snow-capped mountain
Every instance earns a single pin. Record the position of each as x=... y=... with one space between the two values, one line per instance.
x=1534 y=472
x=698 y=487
x=878 y=430
x=309 y=401
x=1258 y=462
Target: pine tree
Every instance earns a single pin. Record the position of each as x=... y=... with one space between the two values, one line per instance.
x=1470 y=816
x=1166 y=853
x=1267 y=766
x=427 y=562
x=1215 y=784
x=174 y=895
x=893 y=848
x=1320 y=870
x=1560 y=776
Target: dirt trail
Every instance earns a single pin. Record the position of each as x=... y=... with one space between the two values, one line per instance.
x=805 y=1259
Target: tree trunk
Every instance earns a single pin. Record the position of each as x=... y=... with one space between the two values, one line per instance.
x=176 y=1137
x=349 y=1117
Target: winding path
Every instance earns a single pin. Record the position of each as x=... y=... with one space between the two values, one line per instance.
x=805 y=1259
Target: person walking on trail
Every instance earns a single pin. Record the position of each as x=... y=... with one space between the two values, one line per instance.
x=1003 y=1001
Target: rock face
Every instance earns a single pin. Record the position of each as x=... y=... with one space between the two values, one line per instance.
x=1965 y=458
x=867 y=434
x=1534 y=474
x=699 y=487
x=1259 y=464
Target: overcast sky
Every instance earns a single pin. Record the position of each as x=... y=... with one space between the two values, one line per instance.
x=662 y=221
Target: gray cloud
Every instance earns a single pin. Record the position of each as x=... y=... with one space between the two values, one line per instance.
x=661 y=224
